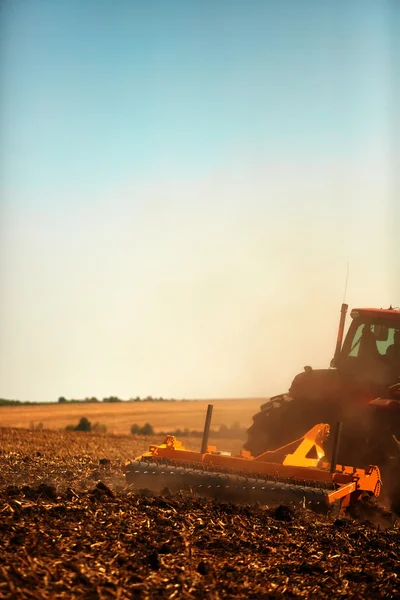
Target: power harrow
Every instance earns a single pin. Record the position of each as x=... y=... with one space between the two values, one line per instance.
x=295 y=474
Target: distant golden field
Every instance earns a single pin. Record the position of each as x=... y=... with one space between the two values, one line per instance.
x=119 y=416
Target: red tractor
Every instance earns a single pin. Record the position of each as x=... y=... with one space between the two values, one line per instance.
x=361 y=389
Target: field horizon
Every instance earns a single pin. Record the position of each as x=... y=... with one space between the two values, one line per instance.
x=118 y=417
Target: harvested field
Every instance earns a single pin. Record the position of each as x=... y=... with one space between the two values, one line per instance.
x=71 y=529
x=119 y=416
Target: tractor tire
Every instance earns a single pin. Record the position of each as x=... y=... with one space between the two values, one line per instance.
x=394 y=488
x=279 y=422
x=391 y=485
x=282 y=420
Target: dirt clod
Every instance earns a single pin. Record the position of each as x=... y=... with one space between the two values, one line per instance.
x=283 y=513
x=203 y=568
x=154 y=560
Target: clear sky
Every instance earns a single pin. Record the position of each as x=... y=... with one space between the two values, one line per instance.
x=183 y=184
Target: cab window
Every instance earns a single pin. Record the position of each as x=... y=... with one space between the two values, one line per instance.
x=384 y=337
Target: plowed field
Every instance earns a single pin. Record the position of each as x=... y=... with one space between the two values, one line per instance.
x=70 y=528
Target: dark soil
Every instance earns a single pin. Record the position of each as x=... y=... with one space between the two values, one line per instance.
x=70 y=528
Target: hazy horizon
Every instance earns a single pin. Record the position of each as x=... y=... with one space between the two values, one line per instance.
x=183 y=189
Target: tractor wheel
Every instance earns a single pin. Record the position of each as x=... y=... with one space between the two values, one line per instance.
x=279 y=422
x=395 y=490
x=283 y=420
x=391 y=485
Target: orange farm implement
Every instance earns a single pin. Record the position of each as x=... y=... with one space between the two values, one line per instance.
x=296 y=474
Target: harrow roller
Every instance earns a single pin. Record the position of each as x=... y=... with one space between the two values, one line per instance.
x=226 y=486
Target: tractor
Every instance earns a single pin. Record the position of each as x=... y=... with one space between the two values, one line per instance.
x=361 y=389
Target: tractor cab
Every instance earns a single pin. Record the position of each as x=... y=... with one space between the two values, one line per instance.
x=366 y=363
x=371 y=349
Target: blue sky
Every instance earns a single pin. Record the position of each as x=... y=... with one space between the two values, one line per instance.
x=181 y=181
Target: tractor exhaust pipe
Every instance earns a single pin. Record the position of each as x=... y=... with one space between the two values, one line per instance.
x=343 y=312
x=206 y=431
